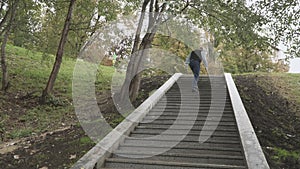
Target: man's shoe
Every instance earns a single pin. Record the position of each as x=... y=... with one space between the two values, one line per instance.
x=195 y=91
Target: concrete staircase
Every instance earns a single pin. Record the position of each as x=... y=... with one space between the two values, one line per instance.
x=196 y=116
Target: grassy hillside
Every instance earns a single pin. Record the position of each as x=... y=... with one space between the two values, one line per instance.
x=34 y=135
x=273 y=105
x=21 y=115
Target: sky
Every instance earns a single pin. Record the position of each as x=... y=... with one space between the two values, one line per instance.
x=295 y=65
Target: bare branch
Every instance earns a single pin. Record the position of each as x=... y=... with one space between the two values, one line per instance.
x=185 y=7
x=5 y=17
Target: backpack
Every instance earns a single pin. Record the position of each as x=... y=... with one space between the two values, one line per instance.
x=196 y=55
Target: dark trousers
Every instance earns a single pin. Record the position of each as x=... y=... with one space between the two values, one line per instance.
x=195 y=67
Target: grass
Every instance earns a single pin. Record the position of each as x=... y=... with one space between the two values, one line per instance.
x=288 y=84
x=282 y=154
x=28 y=72
x=86 y=140
x=21 y=133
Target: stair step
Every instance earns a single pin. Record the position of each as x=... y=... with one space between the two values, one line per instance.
x=156 y=151
x=203 y=111
x=187 y=123
x=150 y=164
x=189 y=133
x=195 y=105
x=185 y=158
x=203 y=92
x=187 y=88
x=221 y=91
x=193 y=118
x=205 y=83
x=194 y=128
x=188 y=139
x=194 y=101
x=201 y=79
x=191 y=95
x=183 y=145
x=171 y=114
x=191 y=128
x=190 y=122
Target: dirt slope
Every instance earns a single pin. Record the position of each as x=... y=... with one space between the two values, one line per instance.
x=274 y=120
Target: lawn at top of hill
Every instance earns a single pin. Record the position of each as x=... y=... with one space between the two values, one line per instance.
x=21 y=114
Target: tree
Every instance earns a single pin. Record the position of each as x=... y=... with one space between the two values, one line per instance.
x=133 y=77
x=282 y=22
x=59 y=53
x=89 y=16
x=240 y=60
x=4 y=15
x=12 y=5
x=235 y=24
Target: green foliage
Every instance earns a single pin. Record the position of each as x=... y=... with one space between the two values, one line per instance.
x=86 y=140
x=117 y=121
x=26 y=24
x=242 y=60
x=283 y=155
x=89 y=16
x=282 y=20
x=3 y=120
x=45 y=23
x=232 y=27
x=230 y=22
x=172 y=45
x=21 y=133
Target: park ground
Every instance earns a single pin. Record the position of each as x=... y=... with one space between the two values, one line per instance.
x=50 y=136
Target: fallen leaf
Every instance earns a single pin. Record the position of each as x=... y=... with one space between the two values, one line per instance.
x=17 y=157
x=72 y=156
x=33 y=152
x=44 y=167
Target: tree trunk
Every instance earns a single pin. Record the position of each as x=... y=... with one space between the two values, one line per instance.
x=59 y=54
x=154 y=21
x=133 y=78
x=5 y=18
x=138 y=49
x=136 y=81
x=12 y=11
x=130 y=69
x=3 y=63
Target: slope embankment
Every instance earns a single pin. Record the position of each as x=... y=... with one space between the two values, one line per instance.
x=272 y=103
